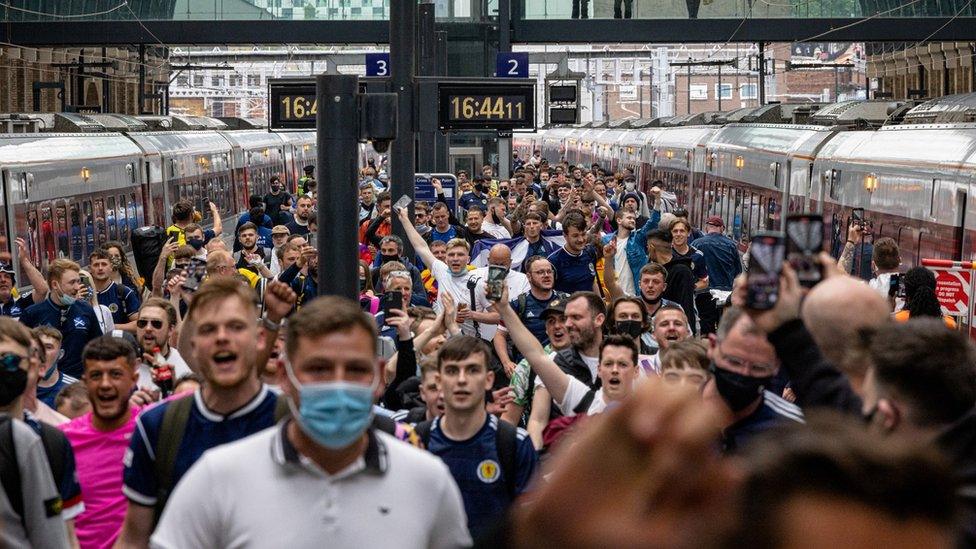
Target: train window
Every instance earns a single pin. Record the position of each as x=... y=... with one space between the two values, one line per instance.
x=33 y=236
x=101 y=231
x=89 y=221
x=113 y=231
x=935 y=190
x=48 y=241
x=834 y=183
x=61 y=226
x=123 y=221
x=77 y=247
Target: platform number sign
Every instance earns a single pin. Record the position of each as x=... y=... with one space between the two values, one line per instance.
x=512 y=65
x=377 y=64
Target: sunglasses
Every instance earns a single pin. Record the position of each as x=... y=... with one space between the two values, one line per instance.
x=10 y=362
x=142 y=323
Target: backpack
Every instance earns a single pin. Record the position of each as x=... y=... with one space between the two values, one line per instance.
x=171 y=437
x=53 y=441
x=506 y=440
x=562 y=425
x=120 y=294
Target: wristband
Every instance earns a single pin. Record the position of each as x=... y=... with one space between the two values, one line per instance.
x=269 y=324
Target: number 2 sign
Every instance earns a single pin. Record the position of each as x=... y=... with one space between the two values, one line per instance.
x=512 y=65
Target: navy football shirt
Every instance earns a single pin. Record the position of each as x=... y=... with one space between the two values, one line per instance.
x=574 y=273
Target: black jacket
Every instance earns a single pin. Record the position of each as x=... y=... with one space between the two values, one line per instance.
x=681 y=288
x=570 y=361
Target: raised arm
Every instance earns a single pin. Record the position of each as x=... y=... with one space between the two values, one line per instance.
x=218 y=224
x=609 y=271
x=552 y=376
x=417 y=241
x=34 y=276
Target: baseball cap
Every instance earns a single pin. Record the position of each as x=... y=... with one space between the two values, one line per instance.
x=635 y=196
x=715 y=220
x=280 y=229
x=555 y=306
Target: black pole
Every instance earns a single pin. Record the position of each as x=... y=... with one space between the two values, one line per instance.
x=427 y=95
x=403 y=15
x=762 y=73
x=720 y=87
x=142 y=79
x=441 y=144
x=337 y=133
x=504 y=45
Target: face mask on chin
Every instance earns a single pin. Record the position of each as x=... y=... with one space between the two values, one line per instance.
x=632 y=328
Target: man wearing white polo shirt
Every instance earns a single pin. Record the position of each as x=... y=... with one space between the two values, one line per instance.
x=324 y=476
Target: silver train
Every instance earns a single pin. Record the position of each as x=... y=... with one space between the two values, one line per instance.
x=911 y=167
x=67 y=193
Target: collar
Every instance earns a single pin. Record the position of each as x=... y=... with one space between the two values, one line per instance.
x=374 y=461
x=210 y=415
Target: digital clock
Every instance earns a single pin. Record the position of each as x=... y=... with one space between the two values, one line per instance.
x=292 y=105
x=486 y=104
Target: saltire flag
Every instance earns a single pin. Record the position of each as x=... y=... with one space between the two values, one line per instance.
x=518 y=245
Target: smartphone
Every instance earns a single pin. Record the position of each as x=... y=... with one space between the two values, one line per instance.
x=804 y=240
x=402 y=203
x=195 y=272
x=496 y=279
x=766 y=254
x=857 y=216
x=391 y=300
x=896 y=285
x=87 y=283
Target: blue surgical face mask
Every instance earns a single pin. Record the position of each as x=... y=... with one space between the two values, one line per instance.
x=334 y=413
x=68 y=300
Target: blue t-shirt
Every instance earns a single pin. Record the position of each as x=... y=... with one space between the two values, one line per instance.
x=471 y=199
x=47 y=395
x=445 y=236
x=574 y=273
x=77 y=323
x=699 y=267
x=16 y=307
x=531 y=314
x=722 y=258
x=121 y=309
x=205 y=429
x=476 y=468
x=774 y=411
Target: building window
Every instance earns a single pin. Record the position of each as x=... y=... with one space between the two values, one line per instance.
x=234 y=80
x=699 y=92
x=183 y=81
x=217 y=80
x=198 y=80
x=748 y=91
x=723 y=90
x=253 y=80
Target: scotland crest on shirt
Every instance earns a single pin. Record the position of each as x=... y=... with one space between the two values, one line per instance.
x=80 y=323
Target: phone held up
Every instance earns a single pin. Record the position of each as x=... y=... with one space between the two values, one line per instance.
x=766 y=254
x=804 y=240
x=392 y=299
x=496 y=279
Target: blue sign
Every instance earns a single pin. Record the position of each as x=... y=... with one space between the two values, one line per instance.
x=377 y=64
x=424 y=190
x=512 y=65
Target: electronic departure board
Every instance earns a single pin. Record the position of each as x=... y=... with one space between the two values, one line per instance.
x=486 y=104
x=292 y=105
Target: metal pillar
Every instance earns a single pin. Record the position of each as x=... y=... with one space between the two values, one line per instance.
x=403 y=16
x=337 y=137
x=442 y=149
x=140 y=101
x=427 y=95
x=689 y=89
x=504 y=45
x=720 y=87
x=762 y=73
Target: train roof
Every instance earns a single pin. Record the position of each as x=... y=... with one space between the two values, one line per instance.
x=34 y=148
x=181 y=142
x=926 y=146
x=958 y=108
x=253 y=138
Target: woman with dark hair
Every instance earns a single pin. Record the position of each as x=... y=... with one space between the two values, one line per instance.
x=122 y=270
x=920 y=299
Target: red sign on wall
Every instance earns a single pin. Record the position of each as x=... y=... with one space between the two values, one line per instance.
x=953 y=288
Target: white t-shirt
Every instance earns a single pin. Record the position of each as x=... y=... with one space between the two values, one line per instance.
x=517 y=283
x=575 y=393
x=457 y=286
x=180 y=369
x=621 y=268
x=592 y=362
x=260 y=492
x=105 y=320
x=496 y=230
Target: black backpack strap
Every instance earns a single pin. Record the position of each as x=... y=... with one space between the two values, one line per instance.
x=506 y=442
x=10 y=469
x=120 y=293
x=423 y=431
x=386 y=424
x=170 y=438
x=584 y=405
x=281 y=410
x=54 y=443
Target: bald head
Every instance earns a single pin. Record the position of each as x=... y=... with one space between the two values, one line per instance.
x=835 y=310
x=500 y=254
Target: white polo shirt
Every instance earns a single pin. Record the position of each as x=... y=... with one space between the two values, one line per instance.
x=260 y=492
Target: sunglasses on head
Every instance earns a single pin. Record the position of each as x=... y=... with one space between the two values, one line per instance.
x=10 y=362
x=143 y=322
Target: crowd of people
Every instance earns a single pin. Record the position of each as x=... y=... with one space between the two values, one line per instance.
x=564 y=359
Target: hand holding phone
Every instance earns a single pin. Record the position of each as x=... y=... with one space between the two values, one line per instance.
x=496 y=281
x=804 y=240
x=391 y=300
x=766 y=254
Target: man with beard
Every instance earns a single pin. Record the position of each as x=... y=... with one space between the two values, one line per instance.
x=229 y=350
x=100 y=438
x=630 y=249
x=585 y=315
x=74 y=318
x=529 y=307
x=743 y=366
x=13 y=304
x=157 y=321
x=252 y=255
x=277 y=203
x=303 y=208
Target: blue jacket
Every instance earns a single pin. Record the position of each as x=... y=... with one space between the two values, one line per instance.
x=721 y=258
x=637 y=246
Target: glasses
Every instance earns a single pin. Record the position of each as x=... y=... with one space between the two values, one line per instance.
x=755 y=370
x=143 y=322
x=10 y=362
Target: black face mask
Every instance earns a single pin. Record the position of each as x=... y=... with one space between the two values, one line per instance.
x=481 y=188
x=737 y=390
x=389 y=258
x=651 y=301
x=632 y=328
x=503 y=193
x=197 y=243
x=12 y=385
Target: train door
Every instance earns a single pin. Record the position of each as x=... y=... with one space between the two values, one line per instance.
x=962 y=201
x=5 y=244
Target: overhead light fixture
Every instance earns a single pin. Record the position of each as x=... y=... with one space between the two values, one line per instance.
x=85 y=174
x=871 y=182
x=740 y=162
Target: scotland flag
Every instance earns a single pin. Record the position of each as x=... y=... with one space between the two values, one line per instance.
x=518 y=245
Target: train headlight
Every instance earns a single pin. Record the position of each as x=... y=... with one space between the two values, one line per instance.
x=669 y=153
x=871 y=182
